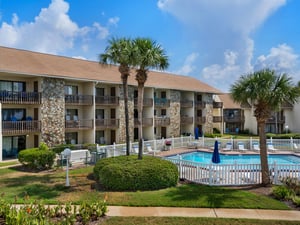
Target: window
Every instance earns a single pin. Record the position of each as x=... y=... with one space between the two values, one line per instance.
x=71 y=90
x=163 y=94
x=14 y=86
x=163 y=112
x=100 y=113
x=72 y=138
x=100 y=92
x=71 y=114
x=13 y=114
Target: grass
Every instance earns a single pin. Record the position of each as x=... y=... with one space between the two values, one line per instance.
x=50 y=188
x=9 y=163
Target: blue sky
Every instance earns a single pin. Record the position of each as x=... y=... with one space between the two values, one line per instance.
x=215 y=41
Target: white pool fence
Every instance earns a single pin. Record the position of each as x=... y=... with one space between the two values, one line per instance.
x=210 y=174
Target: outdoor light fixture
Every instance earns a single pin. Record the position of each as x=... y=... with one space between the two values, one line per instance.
x=67 y=155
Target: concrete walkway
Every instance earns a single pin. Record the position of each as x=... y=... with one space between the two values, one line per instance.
x=204 y=212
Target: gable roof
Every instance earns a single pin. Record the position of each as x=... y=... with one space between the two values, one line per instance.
x=17 y=61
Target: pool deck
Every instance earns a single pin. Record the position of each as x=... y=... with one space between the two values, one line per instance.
x=177 y=151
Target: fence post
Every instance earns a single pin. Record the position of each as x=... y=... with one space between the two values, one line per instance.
x=180 y=165
x=210 y=174
x=250 y=147
x=114 y=149
x=276 y=173
x=291 y=143
x=155 y=145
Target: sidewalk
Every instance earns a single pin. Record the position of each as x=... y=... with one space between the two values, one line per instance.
x=204 y=212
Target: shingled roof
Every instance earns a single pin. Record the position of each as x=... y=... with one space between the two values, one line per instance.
x=17 y=61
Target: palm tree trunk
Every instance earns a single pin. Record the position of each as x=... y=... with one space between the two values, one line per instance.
x=124 y=78
x=140 y=117
x=263 y=154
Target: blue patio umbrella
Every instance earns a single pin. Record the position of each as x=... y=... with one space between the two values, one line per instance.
x=196 y=133
x=216 y=154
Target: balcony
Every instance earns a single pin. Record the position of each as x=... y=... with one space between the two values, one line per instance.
x=162 y=102
x=200 y=120
x=78 y=124
x=148 y=102
x=217 y=105
x=234 y=119
x=186 y=104
x=107 y=100
x=217 y=119
x=162 y=121
x=20 y=127
x=107 y=123
x=278 y=120
x=146 y=122
x=186 y=120
x=78 y=99
x=11 y=97
x=200 y=104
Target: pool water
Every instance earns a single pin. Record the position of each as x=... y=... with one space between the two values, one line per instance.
x=205 y=157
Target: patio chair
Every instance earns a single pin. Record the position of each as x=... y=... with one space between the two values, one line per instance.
x=150 y=150
x=135 y=149
x=256 y=146
x=241 y=146
x=228 y=147
x=270 y=147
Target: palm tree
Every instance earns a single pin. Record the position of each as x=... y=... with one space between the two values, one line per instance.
x=119 y=51
x=148 y=54
x=265 y=92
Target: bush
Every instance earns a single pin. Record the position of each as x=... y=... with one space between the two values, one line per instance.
x=282 y=192
x=37 y=158
x=59 y=148
x=127 y=173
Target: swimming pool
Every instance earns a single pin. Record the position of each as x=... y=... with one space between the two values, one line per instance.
x=205 y=157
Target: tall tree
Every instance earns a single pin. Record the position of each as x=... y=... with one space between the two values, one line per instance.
x=265 y=91
x=119 y=52
x=147 y=54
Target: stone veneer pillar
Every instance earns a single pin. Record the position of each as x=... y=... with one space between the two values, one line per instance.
x=174 y=113
x=208 y=127
x=122 y=130
x=53 y=111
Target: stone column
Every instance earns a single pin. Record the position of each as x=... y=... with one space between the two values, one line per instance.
x=122 y=131
x=174 y=113
x=53 y=111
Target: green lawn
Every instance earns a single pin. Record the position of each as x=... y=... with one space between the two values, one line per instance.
x=50 y=188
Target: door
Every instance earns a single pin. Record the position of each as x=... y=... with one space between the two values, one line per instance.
x=112 y=136
x=163 y=132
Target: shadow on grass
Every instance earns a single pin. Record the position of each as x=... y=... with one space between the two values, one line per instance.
x=215 y=197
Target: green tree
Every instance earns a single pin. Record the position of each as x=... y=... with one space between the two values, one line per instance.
x=119 y=52
x=148 y=54
x=265 y=91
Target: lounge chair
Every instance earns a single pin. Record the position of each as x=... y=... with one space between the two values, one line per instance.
x=256 y=147
x=241 y=146
x=295 y=146
x=150 y=150
x=270 y=147
x=228 y=147
x=135 y=148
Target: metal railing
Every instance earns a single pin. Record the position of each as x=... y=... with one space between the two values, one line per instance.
x=107 y=123
x=11 y=97
x=20 y=127
x=78 y=99
x=107 y=100
x=79 y=124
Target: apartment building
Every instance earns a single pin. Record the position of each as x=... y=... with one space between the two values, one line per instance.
x=56 y=100
x=241 y=117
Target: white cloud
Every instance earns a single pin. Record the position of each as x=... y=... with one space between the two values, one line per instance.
x=222 y=29
x=282 y=59
x=188 y=66
x=52 y=31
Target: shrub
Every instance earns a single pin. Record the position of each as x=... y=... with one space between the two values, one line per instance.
x=282 y=192
x=37 y=158
x=59 y=148
x=127 y=173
